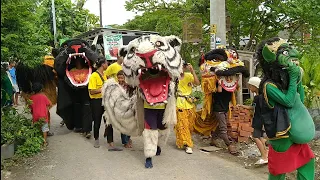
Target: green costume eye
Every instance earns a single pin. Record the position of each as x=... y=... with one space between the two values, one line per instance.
x=286 y=53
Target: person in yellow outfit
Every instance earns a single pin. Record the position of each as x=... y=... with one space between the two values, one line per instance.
x=114 y=68
x=186 y=113
x=95 y=86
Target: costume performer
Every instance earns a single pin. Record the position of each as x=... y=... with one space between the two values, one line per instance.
x=153 y=65
x=220 y=75
x=286 y=120
x=74 y=67
x=43 y=74
x=186 y=111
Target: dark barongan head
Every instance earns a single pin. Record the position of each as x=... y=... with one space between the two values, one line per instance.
x=74 y=62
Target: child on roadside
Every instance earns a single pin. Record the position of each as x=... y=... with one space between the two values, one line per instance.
x=258 y=134
x=40 y=106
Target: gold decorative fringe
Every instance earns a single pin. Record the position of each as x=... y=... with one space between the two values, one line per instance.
x=205 y=127
x=208 y=85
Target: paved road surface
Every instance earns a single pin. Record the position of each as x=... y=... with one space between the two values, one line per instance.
x=71 y=156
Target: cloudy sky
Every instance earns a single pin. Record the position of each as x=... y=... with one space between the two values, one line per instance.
x=113 y=11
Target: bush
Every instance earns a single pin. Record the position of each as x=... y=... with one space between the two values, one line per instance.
x=248 y=102
x=18 y=128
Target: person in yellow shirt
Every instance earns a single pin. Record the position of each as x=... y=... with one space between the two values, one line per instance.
x=95 y=86
x=186 y=113
x=114 y=68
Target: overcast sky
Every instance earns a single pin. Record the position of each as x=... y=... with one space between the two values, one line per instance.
x=113 y=11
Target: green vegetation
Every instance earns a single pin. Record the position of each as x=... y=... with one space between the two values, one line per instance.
x=26 y=27
x=310 y=62
x=18 y=128
x=258 y=20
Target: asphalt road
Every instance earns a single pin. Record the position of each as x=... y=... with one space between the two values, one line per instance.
x=70 y=156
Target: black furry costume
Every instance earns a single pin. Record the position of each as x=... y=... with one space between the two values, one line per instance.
x=42 y=74
x=73 y=101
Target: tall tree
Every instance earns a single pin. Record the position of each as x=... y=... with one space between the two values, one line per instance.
x=26 y=26
x=71 y=19
x=21 y=36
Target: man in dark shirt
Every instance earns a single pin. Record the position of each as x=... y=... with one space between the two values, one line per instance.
x=220 y=107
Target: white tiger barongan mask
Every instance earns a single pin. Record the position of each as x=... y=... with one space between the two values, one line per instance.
x=153 y=63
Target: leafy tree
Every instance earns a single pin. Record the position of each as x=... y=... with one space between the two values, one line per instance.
x=20 y=37
x=259 y=19
x=26 y=26
x=262 y=19
x=167 y=19
x=71 y=19
x=310 y=63
x=256 y=19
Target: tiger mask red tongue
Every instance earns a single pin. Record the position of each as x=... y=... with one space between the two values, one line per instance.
x=154 y=84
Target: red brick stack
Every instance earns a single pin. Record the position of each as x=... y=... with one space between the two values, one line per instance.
x=239 y=125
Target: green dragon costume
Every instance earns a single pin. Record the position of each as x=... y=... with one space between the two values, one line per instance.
x=285 y=119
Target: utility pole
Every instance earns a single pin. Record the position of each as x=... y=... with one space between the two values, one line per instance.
x=218 y=22
x=54 y=23
x=100 y=5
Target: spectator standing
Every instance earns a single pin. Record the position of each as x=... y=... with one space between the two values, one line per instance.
x=258 y=132
x=13 y=78
x=40 y=106
x=95 y=87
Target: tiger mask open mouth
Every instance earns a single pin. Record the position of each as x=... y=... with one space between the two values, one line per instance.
x=153 y=64
x=75 y=63
x=225 y=66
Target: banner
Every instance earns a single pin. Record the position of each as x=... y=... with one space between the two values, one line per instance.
x=192 y=29
x=111 y=43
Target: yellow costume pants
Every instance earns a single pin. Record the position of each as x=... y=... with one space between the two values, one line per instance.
x=184 y=127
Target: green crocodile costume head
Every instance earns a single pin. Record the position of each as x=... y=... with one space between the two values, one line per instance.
x=275 y=55
x=280 y=51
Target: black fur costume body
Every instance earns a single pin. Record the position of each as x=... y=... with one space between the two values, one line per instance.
x=73 y=101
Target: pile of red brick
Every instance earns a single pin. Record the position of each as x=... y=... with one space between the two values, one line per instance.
x=239 y=125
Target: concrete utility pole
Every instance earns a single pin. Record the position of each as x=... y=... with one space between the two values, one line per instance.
x=54 y=23
x=100 y=6
x=218 y=21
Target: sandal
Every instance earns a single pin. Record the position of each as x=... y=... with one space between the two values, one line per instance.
x=45 y=144
x=214 y=142
x=261 y=162
x=50 y=133
x=233 y=150
x=127 y=145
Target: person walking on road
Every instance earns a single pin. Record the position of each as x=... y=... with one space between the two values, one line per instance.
x=95 y=87
x=186 y=113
